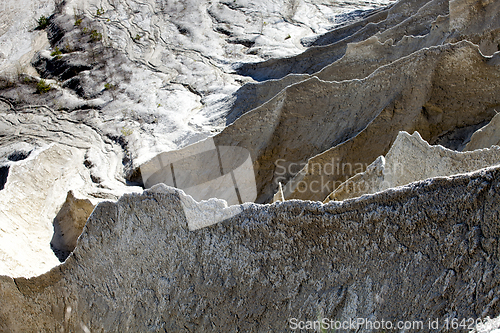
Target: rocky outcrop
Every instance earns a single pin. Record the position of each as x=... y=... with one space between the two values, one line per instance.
x=486 y=136
x=316 y=58
x=430 y=247
x=360 y=60
x=429 y=26
x=68 y=225
x=33 y=193
x=157 y=68
x=113 y=84
x=429 y=112
x=337 y=121
x=222 y=100
x=476 y=21
x=411 y=159
x=35 y=190
x=410 y=34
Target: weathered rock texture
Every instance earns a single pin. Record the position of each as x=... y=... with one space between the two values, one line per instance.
x=117 y=82
x=476 y=21
x=438 y=102
x=316 y=58
x=439 y=90
x=150 y=68
x=68 y=225
x=34 y=192
x=400 y=73
x=103 y=87
x=411 y=159
x=428 y=250
x=360 y=60
x=486 y=136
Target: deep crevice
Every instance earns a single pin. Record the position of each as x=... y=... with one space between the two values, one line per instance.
x=18 y=156
x=223 y=31
x=4 y=173
x=245 y=42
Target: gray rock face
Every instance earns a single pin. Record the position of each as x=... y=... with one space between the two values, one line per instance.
x=35 y=194
x=68 y=225
x=437 y=104
x=486 y=136
x=430 y=248
x=411 y=159
x=96 y=93
x=360 y=59
x=316 y=58
x=396 y=77
x=151 y=68
x=337 y=121
x=112 y=85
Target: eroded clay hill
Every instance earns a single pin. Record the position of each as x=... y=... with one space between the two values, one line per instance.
x=95 y=89
x=428 y=250
x=418 y=71
x=381 y=118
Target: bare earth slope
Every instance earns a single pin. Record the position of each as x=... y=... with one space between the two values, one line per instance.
x=434 y=91
x=94 y=93
x=424 y=251
x=107 y=85
x=389 y=81
x=411 y=159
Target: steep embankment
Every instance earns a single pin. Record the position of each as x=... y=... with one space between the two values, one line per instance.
x=411 y=159
x=454 y=97
x=433 y=91
x=90 y=90
x=103 y=97
x=408 y=76
x=423 y=252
